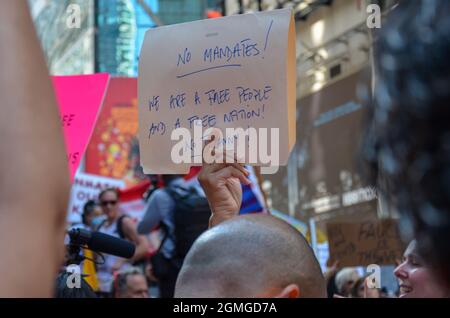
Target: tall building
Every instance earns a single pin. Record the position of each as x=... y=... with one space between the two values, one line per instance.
x=121 y=26
x=66 y=30
x=143 y=23
x=116 y=32
x=178 y=11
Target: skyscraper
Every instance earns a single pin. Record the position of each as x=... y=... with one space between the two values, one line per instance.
x=116 y=33
x=66 y=30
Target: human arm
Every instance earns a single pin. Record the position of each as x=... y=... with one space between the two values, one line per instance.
x=34 y=184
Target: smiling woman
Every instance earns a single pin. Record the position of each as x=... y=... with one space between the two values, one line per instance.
x=407 y=142
x=416 y=279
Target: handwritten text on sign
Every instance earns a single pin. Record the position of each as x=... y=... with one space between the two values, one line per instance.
x=213 y=98
x=233 y=72
x=365 y=243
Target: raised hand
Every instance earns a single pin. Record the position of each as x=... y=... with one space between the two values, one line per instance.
x=222 y=185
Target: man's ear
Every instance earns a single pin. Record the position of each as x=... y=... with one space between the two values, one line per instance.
x=290 y=291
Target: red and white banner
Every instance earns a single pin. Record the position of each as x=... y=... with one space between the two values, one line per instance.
x=87 y=187
x=132 y=201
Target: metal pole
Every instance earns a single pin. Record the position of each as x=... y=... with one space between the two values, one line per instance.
x=150 y=12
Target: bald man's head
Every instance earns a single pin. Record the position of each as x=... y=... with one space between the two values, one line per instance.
x=250 y=256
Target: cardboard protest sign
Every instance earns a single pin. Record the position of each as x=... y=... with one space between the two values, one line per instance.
x=365 y=243
x=232 y=72
x=87 y=187
x=79 y=99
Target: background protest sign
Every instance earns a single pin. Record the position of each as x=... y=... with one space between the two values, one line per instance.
x=132 y=201
x=365 y=243
x=232 y=72
x=87 y=187
x=113 y=150
x=79 y=98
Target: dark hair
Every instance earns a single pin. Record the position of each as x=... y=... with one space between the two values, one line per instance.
x=119 y=284
x=331 y=287
x=115 y=190
x=407 y=144
x=63 y=291
x=88 y=208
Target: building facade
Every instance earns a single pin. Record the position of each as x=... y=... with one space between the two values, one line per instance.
x=66 y=30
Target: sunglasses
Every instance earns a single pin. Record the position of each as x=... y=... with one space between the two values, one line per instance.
x=105 y=203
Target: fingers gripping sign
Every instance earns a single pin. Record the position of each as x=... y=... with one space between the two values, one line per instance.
x=222 y=185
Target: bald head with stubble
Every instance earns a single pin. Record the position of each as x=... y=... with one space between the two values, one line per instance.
x=251 y=256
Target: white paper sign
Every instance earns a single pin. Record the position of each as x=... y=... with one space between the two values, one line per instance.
x=232 y=72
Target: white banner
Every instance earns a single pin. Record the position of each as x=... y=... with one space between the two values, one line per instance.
x=87 y=187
